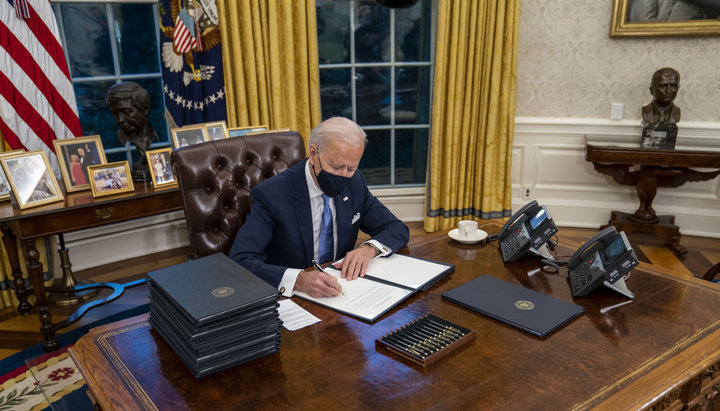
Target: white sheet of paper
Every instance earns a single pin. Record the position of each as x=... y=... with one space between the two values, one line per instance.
x=295 y=317
x=406 y=271
x=362 y=297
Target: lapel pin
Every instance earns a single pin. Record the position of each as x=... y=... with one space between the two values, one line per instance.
x=345 y=198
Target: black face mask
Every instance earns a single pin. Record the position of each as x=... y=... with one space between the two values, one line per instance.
x=330 y=184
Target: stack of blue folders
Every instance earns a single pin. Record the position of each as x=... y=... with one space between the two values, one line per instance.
x=214 y=313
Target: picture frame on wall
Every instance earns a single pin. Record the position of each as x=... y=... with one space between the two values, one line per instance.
x=111 y=178
x=188 y=135
x=274 y=130
x=31 y=179
x=216 y=130
x=634 y=18
x=241 y=131
x=74 y=156
x=4 y=183
x=160 y=168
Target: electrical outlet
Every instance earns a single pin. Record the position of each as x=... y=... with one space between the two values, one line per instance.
x=527 y=192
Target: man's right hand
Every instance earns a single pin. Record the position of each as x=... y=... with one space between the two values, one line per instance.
x=317 y=284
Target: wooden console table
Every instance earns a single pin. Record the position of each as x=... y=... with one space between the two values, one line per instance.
x=78 y=211
x=658 y=351
x=657 y=168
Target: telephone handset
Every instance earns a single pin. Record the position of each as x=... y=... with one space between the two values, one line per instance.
x=531 y=227
x=605 y=259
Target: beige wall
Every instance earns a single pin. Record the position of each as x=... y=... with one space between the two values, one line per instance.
x=568 y=66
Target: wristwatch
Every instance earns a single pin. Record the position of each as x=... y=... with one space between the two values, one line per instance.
x=377 y=250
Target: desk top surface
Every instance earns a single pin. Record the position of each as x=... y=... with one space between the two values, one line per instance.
x=619 y=354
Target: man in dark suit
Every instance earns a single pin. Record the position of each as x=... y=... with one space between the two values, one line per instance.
x=282 y=234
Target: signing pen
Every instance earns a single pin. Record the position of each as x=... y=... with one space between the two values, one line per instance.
x=316 y=265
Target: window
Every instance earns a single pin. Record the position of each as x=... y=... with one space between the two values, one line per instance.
x=380 y=76
x=108 y=43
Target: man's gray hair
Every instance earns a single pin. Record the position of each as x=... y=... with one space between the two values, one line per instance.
x=337 y=128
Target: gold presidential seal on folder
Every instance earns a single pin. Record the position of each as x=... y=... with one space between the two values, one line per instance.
x=524 y=305
x=223 y=292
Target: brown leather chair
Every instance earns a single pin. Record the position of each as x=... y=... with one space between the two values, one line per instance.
x=215 y=179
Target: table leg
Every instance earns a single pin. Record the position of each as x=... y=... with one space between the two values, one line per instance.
x=10 y=242
x=664 y=228
x=34 y=266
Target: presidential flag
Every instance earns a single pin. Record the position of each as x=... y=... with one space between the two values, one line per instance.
x=193 y=82
x=37 y=101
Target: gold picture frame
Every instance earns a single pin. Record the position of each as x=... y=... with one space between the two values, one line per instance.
x=5 y=189
x=274 y=130
x=216 y=130
x=188 y=135
x=160 y=167
x=74 y=156
x=31 y=179
x=241 y=131
x=621 y=27
x=110 y=178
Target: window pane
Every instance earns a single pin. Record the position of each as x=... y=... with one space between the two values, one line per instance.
x=137 y=48
x=411 y=156
x=333 y=29
x=335 y=93
x=373 y=95
x=375 y=163
x=412 y=31
x=95 y=118
x=412 y=95
x=87 y=39
x=372 y=33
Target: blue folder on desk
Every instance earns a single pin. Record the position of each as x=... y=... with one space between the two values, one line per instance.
x=536 y=313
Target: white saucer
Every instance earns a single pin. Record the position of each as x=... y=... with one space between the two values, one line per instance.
x=479 y=236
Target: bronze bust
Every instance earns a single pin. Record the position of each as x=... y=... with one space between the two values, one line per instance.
x=129 y=104
x=663 y=87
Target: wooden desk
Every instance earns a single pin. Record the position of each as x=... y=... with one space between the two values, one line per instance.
x=663 y=348
x=78 y=211
x=657 y=168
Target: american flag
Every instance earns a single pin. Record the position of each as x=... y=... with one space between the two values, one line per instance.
x=37 y=101
x=184 y=40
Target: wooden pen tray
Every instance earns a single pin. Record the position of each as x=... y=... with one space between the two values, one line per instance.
x=425 y=340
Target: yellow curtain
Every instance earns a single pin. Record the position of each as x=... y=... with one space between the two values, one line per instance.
x=473 y=112
x=270 y=63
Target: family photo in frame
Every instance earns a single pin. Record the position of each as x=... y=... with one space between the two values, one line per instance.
x=241 y=131
x=216 y=130
x=4 y=183
x=74 y=156
x=189 y=135
x=636 y=18
x=31 y=179
x=111 y=178
x=160 y=167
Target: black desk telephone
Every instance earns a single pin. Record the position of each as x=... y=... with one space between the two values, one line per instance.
x=605 y=259
x=531 y=227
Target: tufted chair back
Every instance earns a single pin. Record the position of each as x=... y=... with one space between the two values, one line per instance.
x=215 y=179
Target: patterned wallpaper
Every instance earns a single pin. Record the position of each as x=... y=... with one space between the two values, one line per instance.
x=568 y=66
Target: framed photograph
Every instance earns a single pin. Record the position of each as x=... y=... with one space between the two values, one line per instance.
x=31 y=178
x=275 y=130
x=74 y=156
x=189 y=135
x=4 y=183
x=111 y=178
x=160 y=168
x=639 y=18
x=216 y=130
x=241 y=131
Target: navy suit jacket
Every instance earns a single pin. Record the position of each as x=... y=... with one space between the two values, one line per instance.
x=278 y=231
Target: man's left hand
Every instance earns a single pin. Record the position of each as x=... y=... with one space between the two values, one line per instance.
x=355 y=263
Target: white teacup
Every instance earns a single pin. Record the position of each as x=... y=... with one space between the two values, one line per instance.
x=467 y=228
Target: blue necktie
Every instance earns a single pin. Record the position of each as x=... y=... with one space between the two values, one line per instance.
x=325 y=247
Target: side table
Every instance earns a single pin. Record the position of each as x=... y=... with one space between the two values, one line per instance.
x=78 y=211
x=648 y=169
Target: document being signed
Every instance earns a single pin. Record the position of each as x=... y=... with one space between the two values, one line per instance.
x=362 y=298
